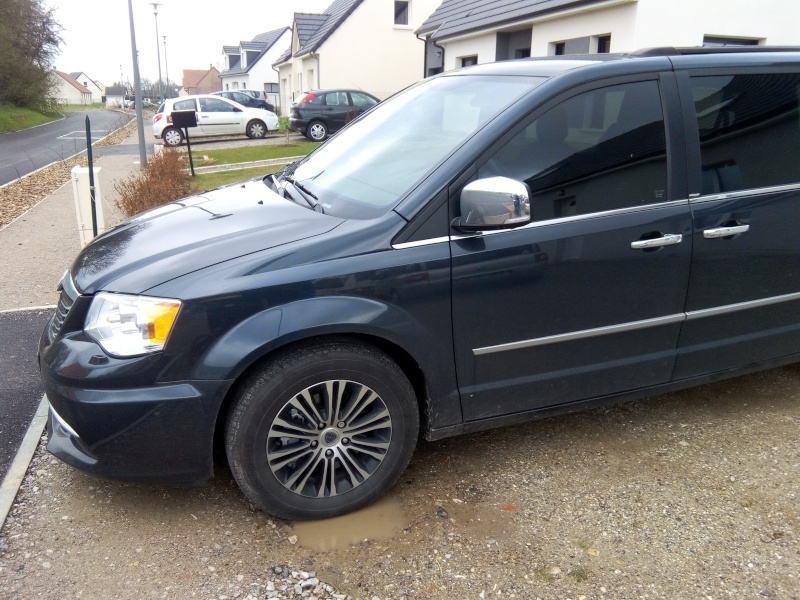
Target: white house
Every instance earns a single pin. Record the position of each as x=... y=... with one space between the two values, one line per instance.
x=249 y=64
x=464 y=32
x=355 y=44
x=90 y=84
x=69 y=91
x=115 y=96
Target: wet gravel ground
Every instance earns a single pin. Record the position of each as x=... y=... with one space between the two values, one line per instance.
x=687 y=495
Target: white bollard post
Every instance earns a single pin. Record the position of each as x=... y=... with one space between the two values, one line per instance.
x=83 y=203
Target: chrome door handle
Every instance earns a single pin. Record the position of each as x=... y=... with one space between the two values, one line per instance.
x=719 y=232
x=666 y=240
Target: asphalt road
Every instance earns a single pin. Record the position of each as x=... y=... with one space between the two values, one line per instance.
x=23 y=152
x=20 y=387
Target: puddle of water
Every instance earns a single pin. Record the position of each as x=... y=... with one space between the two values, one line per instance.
x=379 y=521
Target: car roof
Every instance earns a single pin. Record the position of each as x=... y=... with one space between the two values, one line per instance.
x=549 y=66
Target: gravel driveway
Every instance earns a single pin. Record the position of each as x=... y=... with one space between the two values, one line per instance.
x=687 y=495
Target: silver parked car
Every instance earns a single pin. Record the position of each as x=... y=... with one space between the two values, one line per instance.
x=215 y=116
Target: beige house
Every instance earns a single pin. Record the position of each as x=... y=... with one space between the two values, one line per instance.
x=69 y=91
x=355 y=44
x=200 y=82
x=96 y=87
x=460 y=33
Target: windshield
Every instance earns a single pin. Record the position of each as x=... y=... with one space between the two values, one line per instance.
x=364 y=170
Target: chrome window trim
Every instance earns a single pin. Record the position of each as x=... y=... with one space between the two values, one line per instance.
x=789 y=187
x=574 y=218
x=418 y=243
x=634 y=325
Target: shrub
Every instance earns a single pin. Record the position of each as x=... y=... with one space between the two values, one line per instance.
x=161 y=181
x=283 y=127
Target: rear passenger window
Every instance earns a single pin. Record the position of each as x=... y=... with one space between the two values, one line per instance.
x=749 y=130
x=184 y=105
x=598 y=151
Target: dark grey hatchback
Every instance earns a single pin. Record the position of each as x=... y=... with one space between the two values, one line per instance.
x=492 y=245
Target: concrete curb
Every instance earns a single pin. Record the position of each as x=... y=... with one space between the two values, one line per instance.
x=27 y=308
x=247 y=165
x=18 y=469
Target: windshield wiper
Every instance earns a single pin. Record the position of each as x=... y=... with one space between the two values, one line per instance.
x=309 y=197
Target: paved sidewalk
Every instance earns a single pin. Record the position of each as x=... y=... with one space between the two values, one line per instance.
x=41 y=244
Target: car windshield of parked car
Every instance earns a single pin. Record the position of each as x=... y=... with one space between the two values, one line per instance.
x=364 y=170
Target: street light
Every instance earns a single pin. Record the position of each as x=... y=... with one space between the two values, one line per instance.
x=166 y=67
x=155 y=6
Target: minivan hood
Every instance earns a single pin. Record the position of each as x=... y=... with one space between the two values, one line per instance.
x=191 y=234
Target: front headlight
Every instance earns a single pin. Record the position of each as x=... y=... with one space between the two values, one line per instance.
x=130 y=325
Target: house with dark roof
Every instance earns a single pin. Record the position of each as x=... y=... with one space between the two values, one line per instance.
x=69 y=91
x=465 y=32
x=115 y=96
x=90 y=84
x=355 y=44
x=200 y=81
x=248 y=64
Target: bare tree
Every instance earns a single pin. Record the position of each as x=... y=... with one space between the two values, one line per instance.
x=30 y=38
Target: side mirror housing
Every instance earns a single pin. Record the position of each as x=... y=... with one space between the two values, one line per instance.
x=493 y=203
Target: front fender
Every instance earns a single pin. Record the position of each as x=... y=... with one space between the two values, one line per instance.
x=269 y=330
x=255 y=337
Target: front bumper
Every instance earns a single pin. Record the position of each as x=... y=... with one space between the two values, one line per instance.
x=111 y=417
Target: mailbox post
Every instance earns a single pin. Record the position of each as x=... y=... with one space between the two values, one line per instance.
x=185 y=119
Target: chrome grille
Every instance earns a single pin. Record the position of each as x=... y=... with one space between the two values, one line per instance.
x=65 y=301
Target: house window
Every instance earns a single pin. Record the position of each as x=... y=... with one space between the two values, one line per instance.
x=401 y=13
x=468 y=61
x=272 y=88
x=559 y=48
x=604 y=44
x=715 y=41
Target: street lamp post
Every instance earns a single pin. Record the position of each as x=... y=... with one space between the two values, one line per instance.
x=166 y=67
x=138 y=90
x=155 y=6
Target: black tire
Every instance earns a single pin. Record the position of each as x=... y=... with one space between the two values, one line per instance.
x=317 y=131
x=343 y=455
x=256 y=129
x=170 y=138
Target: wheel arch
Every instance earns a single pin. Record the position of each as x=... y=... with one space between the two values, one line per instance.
x=408 y=365
x=263 y=336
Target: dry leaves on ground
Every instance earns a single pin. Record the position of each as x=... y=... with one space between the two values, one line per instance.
x=18 y=197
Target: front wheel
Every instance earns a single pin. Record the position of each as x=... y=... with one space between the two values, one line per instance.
x=172 y=136
x=317 y=131
x=322 y=430
x=256 y=129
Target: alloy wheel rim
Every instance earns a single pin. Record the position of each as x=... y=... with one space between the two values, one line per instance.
x=329 y=439
x=317 y=132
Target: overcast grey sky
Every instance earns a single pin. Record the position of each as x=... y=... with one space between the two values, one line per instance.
x=97 y=36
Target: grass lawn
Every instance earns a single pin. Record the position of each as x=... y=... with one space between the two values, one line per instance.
x=71 y=108
x=251 y=153
x=209 y=181
x=15 y=119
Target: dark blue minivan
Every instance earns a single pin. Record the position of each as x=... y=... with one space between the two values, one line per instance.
x=492 y=245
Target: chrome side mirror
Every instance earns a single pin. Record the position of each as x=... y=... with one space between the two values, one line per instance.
x=493 y=203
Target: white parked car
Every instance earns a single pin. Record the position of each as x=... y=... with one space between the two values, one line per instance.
x=215 y=116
